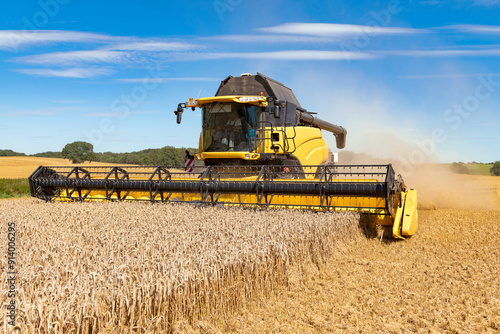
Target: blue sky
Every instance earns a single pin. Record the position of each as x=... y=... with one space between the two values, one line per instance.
x=414 y=80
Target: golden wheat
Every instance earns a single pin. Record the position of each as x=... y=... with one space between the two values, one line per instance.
x=445 y=279
x=23 y=167
x=141 y=267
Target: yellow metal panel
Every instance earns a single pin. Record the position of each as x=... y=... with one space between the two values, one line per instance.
x=396 y=228
x=312 y=152
x=316 y=153
x=308 y=144
x=303 y=134
x=410 y=214
x=227 y=155
x=230 y=98
x=299 y=200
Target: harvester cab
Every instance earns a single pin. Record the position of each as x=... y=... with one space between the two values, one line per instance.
x=255 y=120
x=259 y=148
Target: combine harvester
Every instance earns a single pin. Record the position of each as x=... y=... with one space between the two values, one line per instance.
x=258 y=147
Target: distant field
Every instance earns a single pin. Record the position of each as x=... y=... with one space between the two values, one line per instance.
x=23 y=167
x=480 y=169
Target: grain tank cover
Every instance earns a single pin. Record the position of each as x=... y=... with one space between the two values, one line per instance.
x=253 y=85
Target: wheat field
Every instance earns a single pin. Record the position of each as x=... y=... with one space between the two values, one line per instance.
x=23 y=167
x=116 y=267
x=155 y=268
x=443 y=280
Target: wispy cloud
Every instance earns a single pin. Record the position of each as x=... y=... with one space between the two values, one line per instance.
x=22 y=113
x=160 y=80
x=70 y=101
x=487 y=2
x=281 y=39
x=447 y=76
x=43 y=112
x=444 y=53
x=110 y=114
x=152 y=46
x=13 y=39
x=474 y=28
x=281 y=55
x=77 y=58
x=431 y=2
x=135 y=52
x=112 y=51
x=333 y=29
x=466 y=3
x=75 y=72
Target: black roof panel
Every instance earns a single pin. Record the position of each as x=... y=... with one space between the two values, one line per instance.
x=253 y=85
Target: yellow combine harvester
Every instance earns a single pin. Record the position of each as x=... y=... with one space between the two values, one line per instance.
x=259 y=147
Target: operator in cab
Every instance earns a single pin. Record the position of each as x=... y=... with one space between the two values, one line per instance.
x=232 y=131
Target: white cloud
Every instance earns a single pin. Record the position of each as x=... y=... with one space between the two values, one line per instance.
x=70 y=101
x=160 y=80
x=431 y=2
x=13 y=39
x=487 y=2
x=41 y=112
x=281 y=39
x=110 y=114
x=474 y=28
x=67 y=73
x=152 y=46
x=444 y=53
x=111 y=54
x=466 y=3
x=77 y=58
x=332 y=29
x=447 y=76
x=282 y=55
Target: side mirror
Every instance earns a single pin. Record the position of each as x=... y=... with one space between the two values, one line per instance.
x=277 y=111
x=179 y=112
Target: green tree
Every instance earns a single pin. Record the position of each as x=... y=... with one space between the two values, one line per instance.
x=10 y=153
x=48 y=154
x=79 y=151
x=495 y=170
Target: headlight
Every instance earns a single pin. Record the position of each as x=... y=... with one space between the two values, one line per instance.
x=247 y=156
x=191 y=103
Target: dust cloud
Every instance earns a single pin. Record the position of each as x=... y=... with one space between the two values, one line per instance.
x=437 y=187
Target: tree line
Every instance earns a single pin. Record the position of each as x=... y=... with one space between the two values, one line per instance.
x=81 y=151
x=10 y=153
